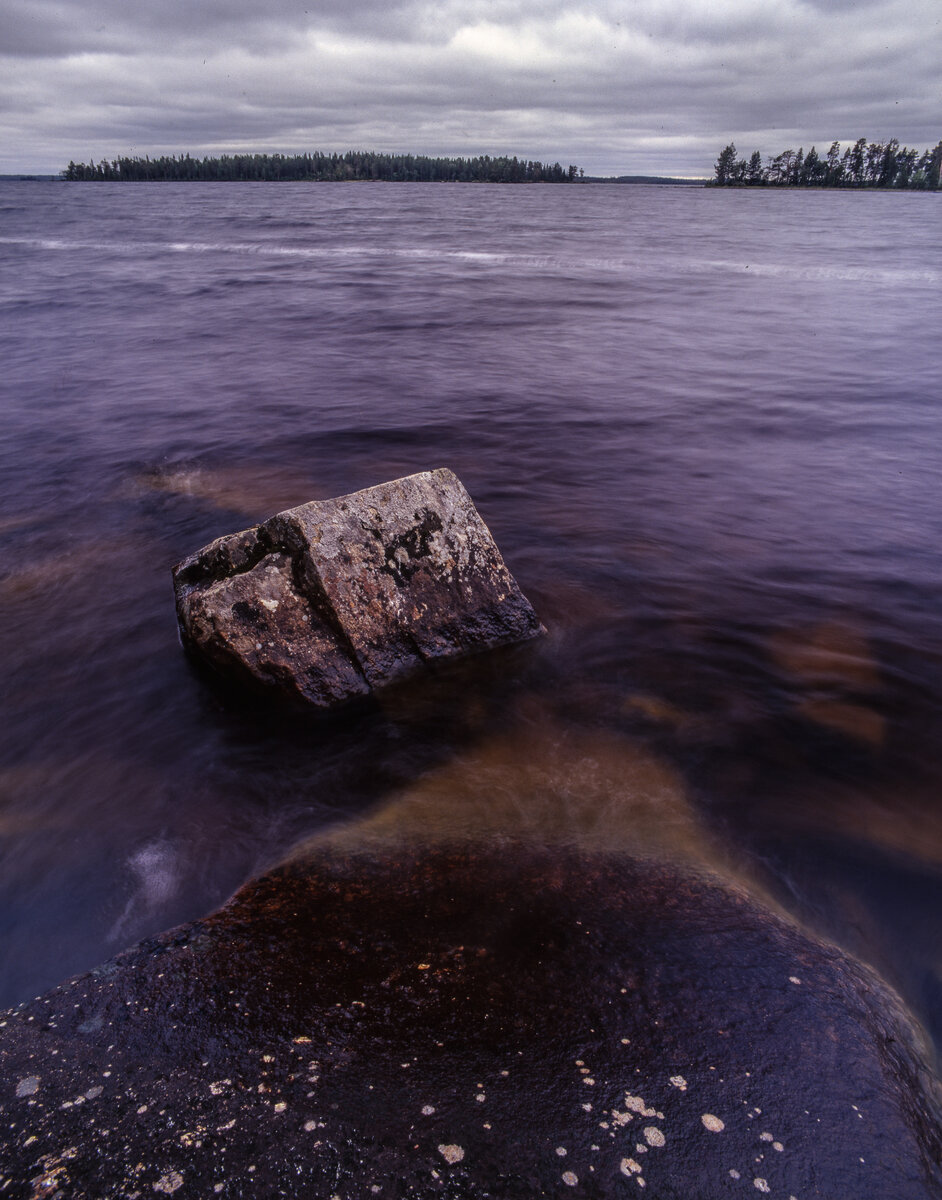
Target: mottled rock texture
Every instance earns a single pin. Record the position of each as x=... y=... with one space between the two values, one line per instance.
x=330 y=600
x=471 y=1022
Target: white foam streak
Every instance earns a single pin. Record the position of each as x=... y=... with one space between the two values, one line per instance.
x=637 y=265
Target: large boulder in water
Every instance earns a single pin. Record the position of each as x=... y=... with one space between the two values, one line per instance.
x=472 y=1021
x=332 y=599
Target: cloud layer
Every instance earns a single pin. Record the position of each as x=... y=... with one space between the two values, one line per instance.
x=653 y=86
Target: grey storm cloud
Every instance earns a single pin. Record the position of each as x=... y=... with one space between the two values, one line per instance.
x=636 y=86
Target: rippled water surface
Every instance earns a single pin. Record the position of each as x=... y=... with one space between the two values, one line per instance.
x=704 y=428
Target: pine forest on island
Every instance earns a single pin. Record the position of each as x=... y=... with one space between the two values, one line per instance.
x=862 y=165
x=355 y=164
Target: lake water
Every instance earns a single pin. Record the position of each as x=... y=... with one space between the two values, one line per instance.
x=703 y=426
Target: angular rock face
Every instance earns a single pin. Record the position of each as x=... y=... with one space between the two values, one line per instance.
x=327 y=601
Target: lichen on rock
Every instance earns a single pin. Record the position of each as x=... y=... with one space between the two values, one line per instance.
x=330 y=600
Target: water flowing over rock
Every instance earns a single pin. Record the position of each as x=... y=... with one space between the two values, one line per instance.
x=472 y=1021
x=334 y=598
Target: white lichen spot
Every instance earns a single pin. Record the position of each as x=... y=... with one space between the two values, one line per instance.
x=169 y=1183
x=590 y=1082
x=778 y=1146
x=271 y=605
x=760 y=1185
x=310 y=1126
x=766 y=1137
x=28 y=1086
x=142 y=1110
x=280 y=1106
x=793 y=979
x=625 y=1042
x=451 y=1153
x=94 y=1092
x=217 y=1187
x=570 y=1178
x=219 y=1086
x=734 y=1174
x=423 y=966
x=621 y=1118
x=653 y=1136
x=678 y=1081
x=629 y=1167
x=302 y=1041
x=561 y=1151
x=480 y=1097
x=427 y=1110
x=713 y=1123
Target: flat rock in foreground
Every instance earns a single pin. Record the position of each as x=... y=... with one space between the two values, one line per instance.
x=327 y=601
x=471 y=1023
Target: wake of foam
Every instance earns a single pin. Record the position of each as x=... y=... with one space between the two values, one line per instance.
x=557 y=264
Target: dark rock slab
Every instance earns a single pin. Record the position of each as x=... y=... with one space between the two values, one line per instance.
x=327 y=601
x=471 y=1022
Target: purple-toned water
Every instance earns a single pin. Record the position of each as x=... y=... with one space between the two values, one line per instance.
x=703 y=426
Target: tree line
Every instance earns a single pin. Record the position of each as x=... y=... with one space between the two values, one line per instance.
x=862 y=165
x=355 y=164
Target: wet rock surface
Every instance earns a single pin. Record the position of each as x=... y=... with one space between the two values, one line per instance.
x=471 y=1021
x=330 y=600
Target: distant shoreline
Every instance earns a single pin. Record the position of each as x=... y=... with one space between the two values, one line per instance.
x=659 y=180
x=317 y=166
x=672 y=180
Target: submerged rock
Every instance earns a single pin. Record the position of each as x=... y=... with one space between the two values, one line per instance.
x=332 y=599
x=471 y=1021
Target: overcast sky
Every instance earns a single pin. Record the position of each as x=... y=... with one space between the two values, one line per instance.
x=615 y=86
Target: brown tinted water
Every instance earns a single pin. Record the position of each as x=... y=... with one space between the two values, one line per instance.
x=703 y=428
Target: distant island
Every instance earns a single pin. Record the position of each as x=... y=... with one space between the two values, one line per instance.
x=673 y=180
x=862 y=165
x=318 y=167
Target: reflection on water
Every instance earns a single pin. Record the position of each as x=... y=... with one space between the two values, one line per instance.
x=703 y=429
